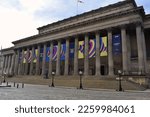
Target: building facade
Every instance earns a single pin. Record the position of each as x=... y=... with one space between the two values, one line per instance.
x=99 y=42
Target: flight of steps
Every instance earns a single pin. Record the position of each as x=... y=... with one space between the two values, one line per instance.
x=73 y=81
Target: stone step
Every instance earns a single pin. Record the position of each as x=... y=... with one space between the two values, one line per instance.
x=73 y=81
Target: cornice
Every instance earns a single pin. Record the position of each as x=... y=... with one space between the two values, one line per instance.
x=139 y=10
x=101 y=9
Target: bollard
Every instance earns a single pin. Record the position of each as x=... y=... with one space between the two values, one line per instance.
x=7 y=83
x=22 y=85
x=17 y=85
x=14 y=84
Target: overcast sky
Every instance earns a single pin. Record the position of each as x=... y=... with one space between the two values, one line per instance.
x=21 y=18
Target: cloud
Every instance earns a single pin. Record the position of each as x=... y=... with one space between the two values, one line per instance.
x=20 y=18
x=146 y=4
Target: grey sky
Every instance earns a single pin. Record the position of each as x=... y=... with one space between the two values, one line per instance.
x=20 y=18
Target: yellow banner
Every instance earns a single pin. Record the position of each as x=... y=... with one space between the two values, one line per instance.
x=35 y=56
x=24 y=56
x=103 y=46
x=81 y=50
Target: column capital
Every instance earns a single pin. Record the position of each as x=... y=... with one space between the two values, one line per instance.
x=139 y=24
x=124 y=26
x=109 y=29
x=97 y=32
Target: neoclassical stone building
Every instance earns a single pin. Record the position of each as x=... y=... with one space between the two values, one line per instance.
x=99 y=42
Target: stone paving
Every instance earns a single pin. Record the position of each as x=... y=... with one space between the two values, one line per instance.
x=43 y=92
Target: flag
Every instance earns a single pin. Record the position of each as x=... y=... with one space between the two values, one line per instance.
x=80 y=1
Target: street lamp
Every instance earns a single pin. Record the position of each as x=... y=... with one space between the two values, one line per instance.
x=53 y=74
x=120 y=85
x=4 y=77
x=80 y=73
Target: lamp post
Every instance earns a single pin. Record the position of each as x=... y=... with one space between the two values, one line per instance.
x=53 y=74
x=4 y=77
x=81 y=73
x=120 y=85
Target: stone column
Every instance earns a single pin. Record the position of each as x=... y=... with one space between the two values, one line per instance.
x=21 y=69
x=124 y=50
x=58 y=59
x=110 y=55
x=9 y=63
x=140 y=48
x=4 y=62
x=44 y=60
x=97 y=64
x=129 y=52
x=38 y=60
x=32 y=57
x=51 y=58
x=12 y=65
x=86 y=55
x=144 y=51
x=76 y=56
x=27 y=62
x=16 y=62
x=67 y=57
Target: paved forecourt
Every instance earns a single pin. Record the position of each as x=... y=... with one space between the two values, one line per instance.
x=43 y=92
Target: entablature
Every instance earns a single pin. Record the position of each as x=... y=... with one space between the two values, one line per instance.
x=85 y=17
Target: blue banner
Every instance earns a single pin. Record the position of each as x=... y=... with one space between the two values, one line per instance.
x=63 y=51
x=20 y=56
x=71 y=52
x=117 y=44
x=55 y=52
x=47 y=54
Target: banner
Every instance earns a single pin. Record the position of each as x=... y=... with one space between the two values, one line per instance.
x=81 y=50
x=47 y=54
x=24 y=56
x=35 y=56
x=41 y=54
x=55 y=52
x=20 y=56
x=92 y=48
x=29 y=56
x=103 y=46
x=116 y=44
x=71 y=52
x=63 y=51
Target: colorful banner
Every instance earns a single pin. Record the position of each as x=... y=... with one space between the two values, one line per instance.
x=41 y=54
x=20 y=56
x=35 y=56
x=47 y=54
x=24 y=56
x=81 y=50
x=55 y=52
x=29 y=57
x=103 y=46
x=71 y=51
x=116 y=44
x=92 y=48
x=63 y=51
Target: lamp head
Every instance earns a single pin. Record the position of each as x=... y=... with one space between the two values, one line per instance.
x=80 y=72
x=53 y=73
x=119 y=71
